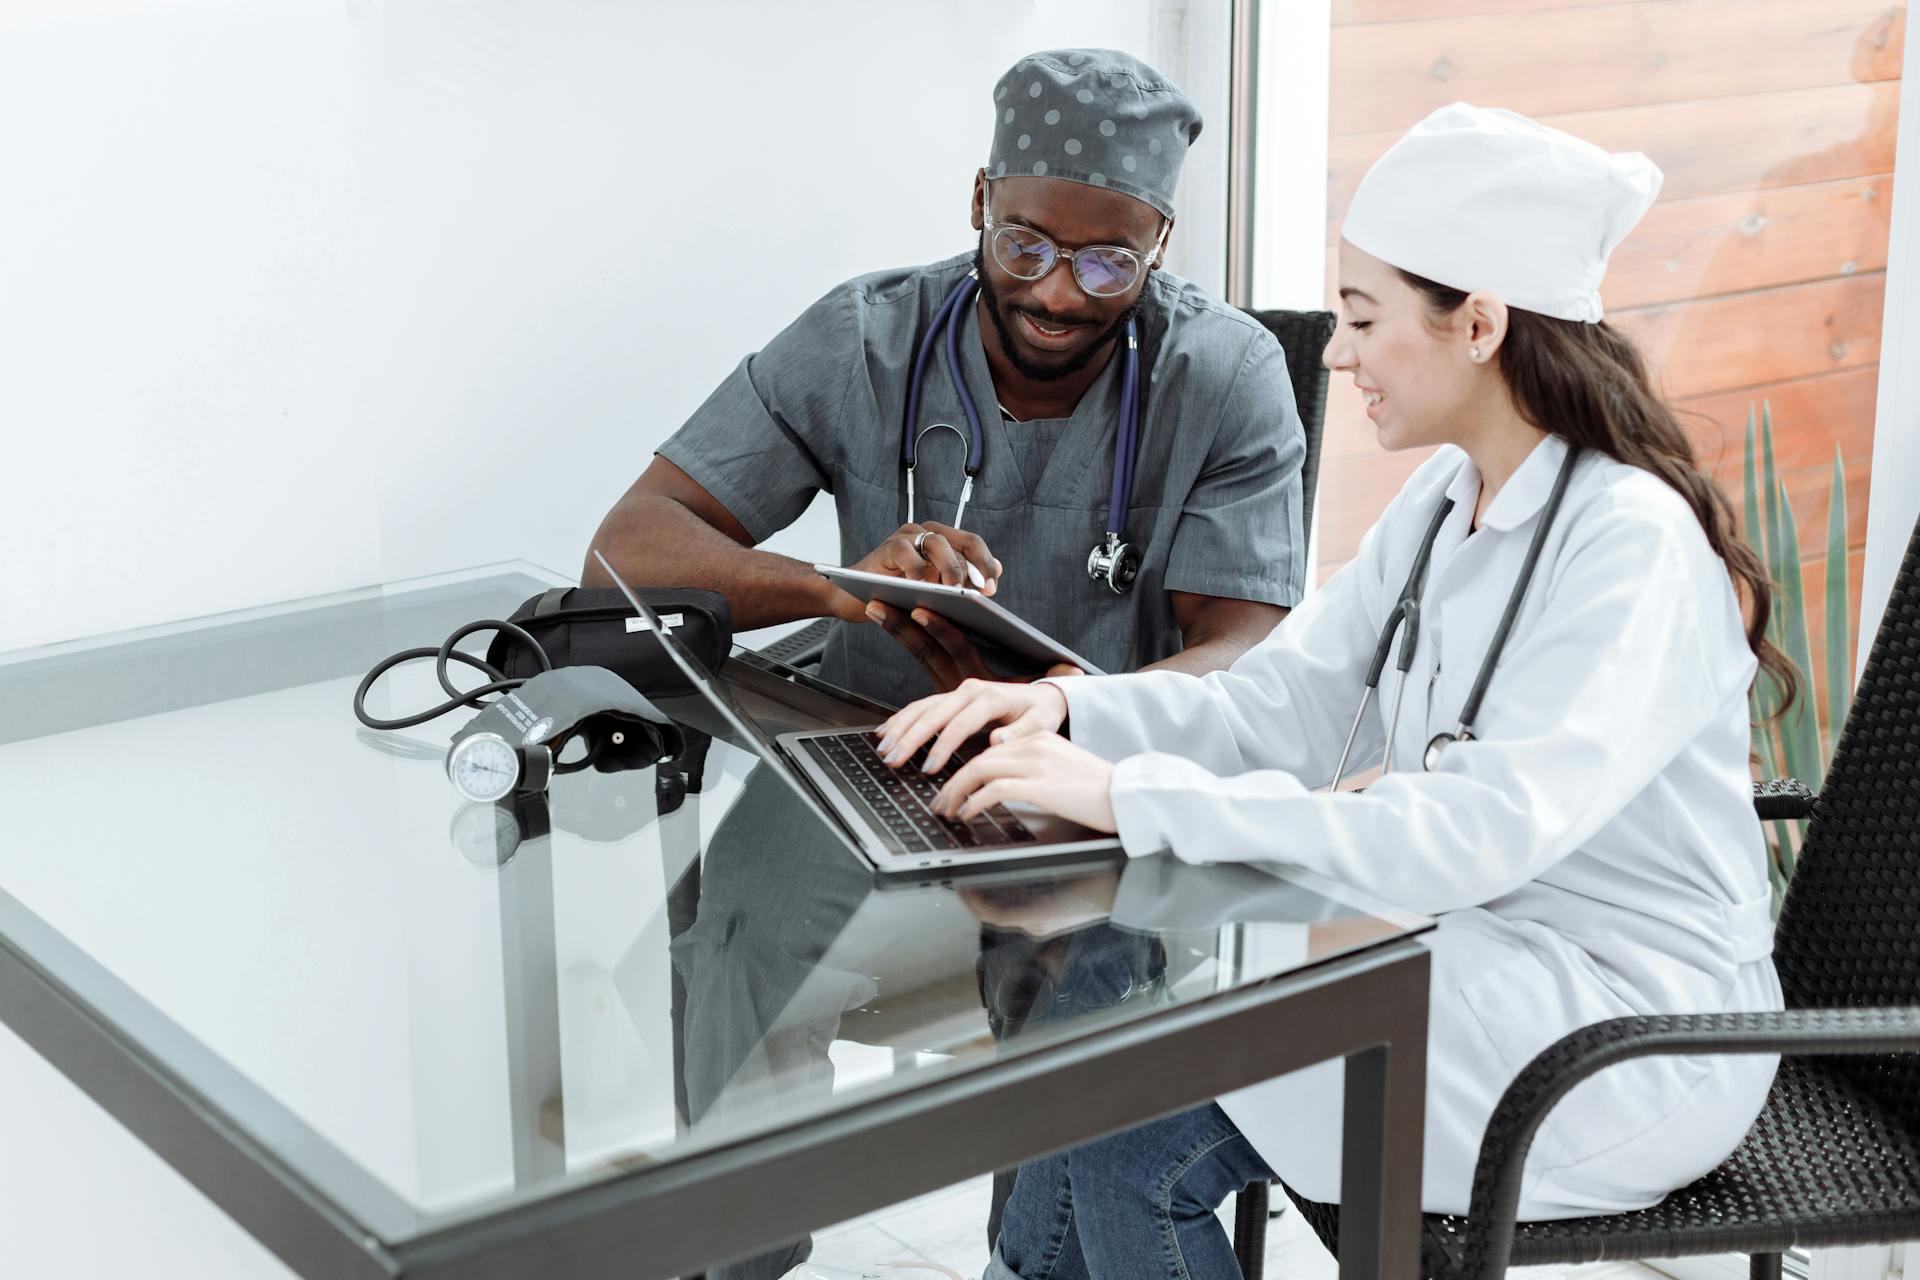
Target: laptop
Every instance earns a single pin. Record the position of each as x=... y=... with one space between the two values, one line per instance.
x=885 y=814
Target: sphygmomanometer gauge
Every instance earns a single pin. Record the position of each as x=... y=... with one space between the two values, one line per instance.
x=484 y=767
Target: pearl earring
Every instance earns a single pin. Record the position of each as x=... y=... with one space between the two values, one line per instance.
x=1474 y=352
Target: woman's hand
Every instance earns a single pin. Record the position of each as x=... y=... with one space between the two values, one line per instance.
x=1043 y=770
x=1021 y=710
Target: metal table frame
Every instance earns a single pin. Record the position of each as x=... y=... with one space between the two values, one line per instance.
x=677 y=1217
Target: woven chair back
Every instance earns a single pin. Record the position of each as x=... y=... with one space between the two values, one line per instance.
x=1303 y=335
x=1849 y=930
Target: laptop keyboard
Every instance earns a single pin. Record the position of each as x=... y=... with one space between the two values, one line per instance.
x=899 y=800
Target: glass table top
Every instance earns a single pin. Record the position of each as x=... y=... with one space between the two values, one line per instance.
x=429 y=1012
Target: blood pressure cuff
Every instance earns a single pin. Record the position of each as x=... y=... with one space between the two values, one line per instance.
x=621 y=728
x=596 y=627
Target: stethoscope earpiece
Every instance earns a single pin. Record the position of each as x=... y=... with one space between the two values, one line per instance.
x=966 y=488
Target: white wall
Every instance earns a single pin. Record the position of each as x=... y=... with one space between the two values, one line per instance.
x=1896 y=428
x=302 y=295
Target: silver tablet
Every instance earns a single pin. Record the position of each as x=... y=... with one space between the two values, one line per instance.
x=973 y=613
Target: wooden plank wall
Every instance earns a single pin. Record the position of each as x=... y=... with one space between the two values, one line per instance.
x=1760 y=272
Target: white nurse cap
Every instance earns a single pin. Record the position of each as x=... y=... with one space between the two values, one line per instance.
x=1477 y=198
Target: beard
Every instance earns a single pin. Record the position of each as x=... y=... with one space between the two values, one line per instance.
x=996 y=311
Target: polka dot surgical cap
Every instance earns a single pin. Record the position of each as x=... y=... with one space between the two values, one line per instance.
x=1095 y=116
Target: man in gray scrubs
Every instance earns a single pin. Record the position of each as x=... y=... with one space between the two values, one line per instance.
x=1086 y=152
x=1074 y=208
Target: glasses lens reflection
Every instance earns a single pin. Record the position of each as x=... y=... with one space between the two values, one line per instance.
x=1025 y=254
x=1103 y=272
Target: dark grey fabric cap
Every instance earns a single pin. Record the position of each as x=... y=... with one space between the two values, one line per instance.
x=1096 y=116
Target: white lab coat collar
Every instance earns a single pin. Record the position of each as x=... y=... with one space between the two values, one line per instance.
x=1463 y=491
x=1525 y=491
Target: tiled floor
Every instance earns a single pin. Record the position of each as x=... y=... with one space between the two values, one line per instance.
x=949 y=1228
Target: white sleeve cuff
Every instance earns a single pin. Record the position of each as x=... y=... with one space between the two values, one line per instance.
x=1103 y=712
x=1137 y=808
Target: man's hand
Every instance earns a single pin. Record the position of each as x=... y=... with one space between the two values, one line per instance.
x=942 y=556
x=942 y=649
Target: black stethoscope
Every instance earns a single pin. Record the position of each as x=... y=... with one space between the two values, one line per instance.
x=1114 y=561
x=1407 y=610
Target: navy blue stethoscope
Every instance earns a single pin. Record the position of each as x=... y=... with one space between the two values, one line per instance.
x=1114 y=561
x=1407 y=610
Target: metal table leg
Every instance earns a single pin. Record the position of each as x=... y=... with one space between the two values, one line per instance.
x=1384 y=1140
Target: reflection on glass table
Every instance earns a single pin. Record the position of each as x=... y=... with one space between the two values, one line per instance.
x=428 y=1019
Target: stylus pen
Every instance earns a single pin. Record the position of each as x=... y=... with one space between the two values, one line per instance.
x=974 y=575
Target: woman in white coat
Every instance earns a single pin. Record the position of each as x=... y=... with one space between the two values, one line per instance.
x=1585 y=837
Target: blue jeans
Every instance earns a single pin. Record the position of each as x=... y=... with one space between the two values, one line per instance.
x=1137 y=1204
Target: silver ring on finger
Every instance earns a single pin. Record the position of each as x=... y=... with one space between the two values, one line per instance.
x=919 y=538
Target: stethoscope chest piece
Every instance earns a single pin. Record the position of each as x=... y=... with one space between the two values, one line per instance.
x=1440 y=742
x=1115 y=563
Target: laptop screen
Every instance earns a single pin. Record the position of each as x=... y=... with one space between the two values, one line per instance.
x=715 y=691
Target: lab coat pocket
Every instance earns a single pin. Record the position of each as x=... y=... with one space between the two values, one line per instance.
x=1530 y=1001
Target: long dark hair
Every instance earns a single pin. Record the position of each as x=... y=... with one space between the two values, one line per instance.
x=1587 y=384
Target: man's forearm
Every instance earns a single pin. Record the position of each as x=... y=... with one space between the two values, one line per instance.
x=657 y=541
x=1217 y=632
x=1216 y=654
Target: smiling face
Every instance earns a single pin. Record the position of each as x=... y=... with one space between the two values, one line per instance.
x=1422 y=383
x=1050 y=328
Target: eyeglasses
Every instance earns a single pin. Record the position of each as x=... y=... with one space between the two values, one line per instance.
x=1102 y=270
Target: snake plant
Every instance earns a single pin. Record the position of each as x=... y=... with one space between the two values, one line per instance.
x=1790 y=745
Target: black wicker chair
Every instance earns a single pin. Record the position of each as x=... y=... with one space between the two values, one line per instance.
x=1303 y=335
x=1834 y=1159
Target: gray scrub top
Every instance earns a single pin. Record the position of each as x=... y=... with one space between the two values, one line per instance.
x=1216 y=495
